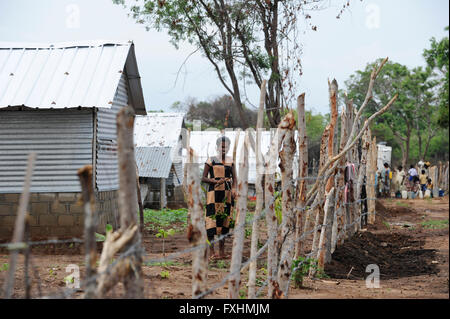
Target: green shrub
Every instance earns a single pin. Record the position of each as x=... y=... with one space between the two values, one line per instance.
x=304 y=265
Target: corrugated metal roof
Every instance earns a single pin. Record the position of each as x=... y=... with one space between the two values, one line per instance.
x=153 y=161
x=67 y=75
x=158 y=129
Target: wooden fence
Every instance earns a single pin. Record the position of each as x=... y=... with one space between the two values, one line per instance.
x=325 y=209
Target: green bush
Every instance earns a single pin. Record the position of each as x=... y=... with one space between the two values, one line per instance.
x=304 y=266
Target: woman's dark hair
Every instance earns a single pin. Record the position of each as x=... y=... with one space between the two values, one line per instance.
x=423 y=171
x=412 y=166
x=400 y=168
x=386 y=165
x=222 y=139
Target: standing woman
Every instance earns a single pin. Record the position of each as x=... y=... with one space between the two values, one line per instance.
x=222 y=182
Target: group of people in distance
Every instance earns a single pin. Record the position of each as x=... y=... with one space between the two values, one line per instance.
x=400 y=183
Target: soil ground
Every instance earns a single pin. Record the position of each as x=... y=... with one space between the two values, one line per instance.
x=412 y=254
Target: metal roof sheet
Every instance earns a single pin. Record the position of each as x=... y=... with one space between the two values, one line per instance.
x=158 y=129
x=153 y=161
x=67 y=75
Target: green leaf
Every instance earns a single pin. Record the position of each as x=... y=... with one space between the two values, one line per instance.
x=109 y=228
x=100 y=237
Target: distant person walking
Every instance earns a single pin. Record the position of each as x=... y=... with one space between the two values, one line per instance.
x=412 y=176
x=222 y=182
x=412 y=172
x=386 y=176
x=423 y=180
x=399 y=179
x=429 y=186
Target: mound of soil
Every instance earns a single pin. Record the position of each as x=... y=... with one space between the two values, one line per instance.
x=397 y=256
x=383 y=214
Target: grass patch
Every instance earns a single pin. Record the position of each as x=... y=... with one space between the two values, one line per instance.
x=385 y=223
x=165 y=219
x=221 y=264
x=164 y=264
x=435 y=223
x=401 y=204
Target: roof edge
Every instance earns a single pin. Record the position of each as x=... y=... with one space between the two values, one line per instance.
x=65 y=44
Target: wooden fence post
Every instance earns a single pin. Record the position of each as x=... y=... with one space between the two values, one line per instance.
x=286 y=123
x=339 y=224
x=324 y=254
x=196 y=229
x=140 y=202
x=259 y=195
x=288 y=215
x=446 y=177
x=366 y=141
x=133 y=280
x=19 y=226
x=321 y=193
x=370 y=187
x=87 y=192
x=302 y=174
x=333 y=90
x=241 y=207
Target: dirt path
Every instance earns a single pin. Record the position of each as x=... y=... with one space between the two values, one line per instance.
x=409 y=243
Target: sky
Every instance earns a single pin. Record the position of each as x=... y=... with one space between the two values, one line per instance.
x=367 y=30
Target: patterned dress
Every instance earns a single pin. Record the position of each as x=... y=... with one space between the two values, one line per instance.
x=219 y=202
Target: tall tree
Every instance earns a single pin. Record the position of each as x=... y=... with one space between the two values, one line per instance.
x=437 y=57
x=419 y=86
x=242 y=39
x=412 y=115
x=399 y=122
x=219 y=113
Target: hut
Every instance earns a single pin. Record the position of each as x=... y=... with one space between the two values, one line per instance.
x=61 y=101
x=158 y=149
